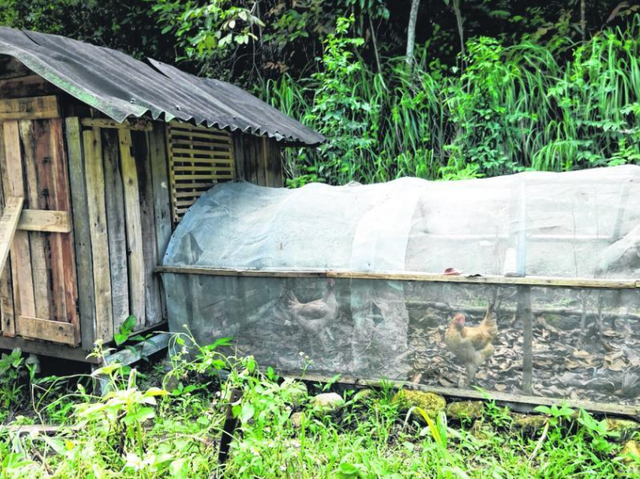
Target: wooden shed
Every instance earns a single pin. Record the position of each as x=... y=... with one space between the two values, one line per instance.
x=100 y=157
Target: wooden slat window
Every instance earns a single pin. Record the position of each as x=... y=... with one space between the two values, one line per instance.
x=199 y=158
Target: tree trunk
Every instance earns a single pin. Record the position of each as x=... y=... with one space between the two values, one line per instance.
x=411 y=32
x=460 y=22
x=583 y=19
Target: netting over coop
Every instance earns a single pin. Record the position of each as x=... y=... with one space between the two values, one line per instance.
x=523 y=284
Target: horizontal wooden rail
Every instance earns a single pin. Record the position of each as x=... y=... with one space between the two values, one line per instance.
x=541 y=281
x=49 y=221
x=137 y=125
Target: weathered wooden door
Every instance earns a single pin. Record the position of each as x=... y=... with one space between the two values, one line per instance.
x=38 y=288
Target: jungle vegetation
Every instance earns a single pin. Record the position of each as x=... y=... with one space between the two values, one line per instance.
x=438 y=89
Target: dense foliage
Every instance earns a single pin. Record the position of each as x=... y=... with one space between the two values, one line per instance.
x=494 y=86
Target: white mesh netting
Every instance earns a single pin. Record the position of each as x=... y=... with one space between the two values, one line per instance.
x=571 y=225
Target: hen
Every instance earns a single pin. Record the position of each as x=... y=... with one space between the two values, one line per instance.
x=472 y=345
x=314 y=316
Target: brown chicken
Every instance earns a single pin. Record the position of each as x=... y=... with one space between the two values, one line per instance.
x=472 y=345
x=314 y=316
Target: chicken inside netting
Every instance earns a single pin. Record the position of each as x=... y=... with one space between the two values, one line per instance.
x=580 y=342
x=583 y=344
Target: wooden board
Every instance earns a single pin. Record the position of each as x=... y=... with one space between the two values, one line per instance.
x=47 y=292
x=98 y=231
x=153 y=303
x=24 y=299
x=62 y=202
x=82 y=232
x=51 y=221
x=7 y=323
x=26 y=86
x=137 y=125
x=160 y=181
x=197 y=156
x=48 y=349
x=55 y=331
x=8 y=225
x=12 y=68
x=40 y=107
x=539 y=281
x=114 y=190
x=137 y=283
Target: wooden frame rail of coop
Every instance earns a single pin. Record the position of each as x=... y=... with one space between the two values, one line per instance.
x=539 y=281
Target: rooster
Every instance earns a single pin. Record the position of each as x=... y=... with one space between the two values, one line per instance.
x=314 y=316
x=472 y=345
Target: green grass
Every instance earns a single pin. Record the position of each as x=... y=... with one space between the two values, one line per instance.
x=149 y=427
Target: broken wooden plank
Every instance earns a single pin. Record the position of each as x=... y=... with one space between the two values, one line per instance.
x=8 y=226
x=82 y=234
x=45 y=329
x=98 y=231
x=114 y=190
x=24 y=300
x=39 y=107
x=134 y=228
x=138 y=351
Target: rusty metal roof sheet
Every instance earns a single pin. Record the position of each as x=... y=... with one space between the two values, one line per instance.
x=120 y=86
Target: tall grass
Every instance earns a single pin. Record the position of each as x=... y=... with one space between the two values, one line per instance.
x=511 y=108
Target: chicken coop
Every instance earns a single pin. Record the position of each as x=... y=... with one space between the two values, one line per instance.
x=525 y=286
x=101 y=156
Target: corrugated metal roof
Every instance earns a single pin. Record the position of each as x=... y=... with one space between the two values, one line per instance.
x=120 y=86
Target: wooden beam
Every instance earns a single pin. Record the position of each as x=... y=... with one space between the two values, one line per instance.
x=137 y=283
x=137 y=125
x=55 y=331
x=540 y=281
x=34 y=108
x=48 y=221
x=8 y=226
x=47 y=349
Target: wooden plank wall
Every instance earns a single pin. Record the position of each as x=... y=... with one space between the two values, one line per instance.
x=129 y=222
x=258 y=160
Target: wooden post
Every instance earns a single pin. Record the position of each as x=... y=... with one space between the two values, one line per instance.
x=526 y=315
